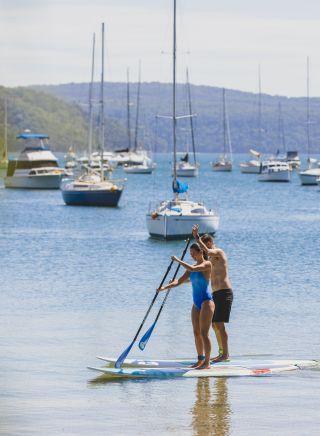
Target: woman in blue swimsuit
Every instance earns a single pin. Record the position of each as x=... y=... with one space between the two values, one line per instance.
x=203 y=305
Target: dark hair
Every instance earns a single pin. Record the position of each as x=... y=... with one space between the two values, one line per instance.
x=197 y=247
x=207 y=238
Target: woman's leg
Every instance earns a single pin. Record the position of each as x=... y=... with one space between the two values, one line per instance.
x=195 y=318
x=206 y=313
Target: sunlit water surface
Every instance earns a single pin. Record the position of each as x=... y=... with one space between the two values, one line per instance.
x=76 y=282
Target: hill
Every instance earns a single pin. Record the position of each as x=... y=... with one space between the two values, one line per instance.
x=207 y=103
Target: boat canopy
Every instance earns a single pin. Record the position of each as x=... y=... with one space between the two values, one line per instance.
x=254 y=152
x=32 y=136
x=179 y=187
x=185 y=158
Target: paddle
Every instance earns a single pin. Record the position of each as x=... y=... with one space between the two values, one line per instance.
x=122 y=357
x=145 y=338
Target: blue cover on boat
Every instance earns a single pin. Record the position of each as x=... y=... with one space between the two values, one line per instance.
x=179 y=187
x=32 y=136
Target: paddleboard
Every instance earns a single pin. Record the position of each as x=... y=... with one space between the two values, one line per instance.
x=173 y=363
x=214 y=371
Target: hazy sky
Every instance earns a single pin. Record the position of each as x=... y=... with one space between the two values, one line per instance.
x=49 y=41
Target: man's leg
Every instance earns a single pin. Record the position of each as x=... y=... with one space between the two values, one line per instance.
x=219 y=342
x=223 y=337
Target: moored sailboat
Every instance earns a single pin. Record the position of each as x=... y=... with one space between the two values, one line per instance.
x=92 y=188
x=309 y=175
x=224 y=161
x=173 y=219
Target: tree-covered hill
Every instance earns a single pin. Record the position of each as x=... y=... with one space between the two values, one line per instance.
x=242 y=107
x=62 y=112
x=65 y=123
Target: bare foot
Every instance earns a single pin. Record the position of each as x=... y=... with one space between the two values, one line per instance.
x=204 y=365
x=197 y=364
x=220 y=358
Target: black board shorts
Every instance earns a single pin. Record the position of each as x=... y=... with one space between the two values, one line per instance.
x=223 y=302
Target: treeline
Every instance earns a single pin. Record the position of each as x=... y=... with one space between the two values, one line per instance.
x=62 y=112
x=242 y=109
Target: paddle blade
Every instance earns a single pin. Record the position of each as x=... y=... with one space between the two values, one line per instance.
x=122 y=357
x=146 y=337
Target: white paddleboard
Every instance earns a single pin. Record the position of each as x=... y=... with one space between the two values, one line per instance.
x=173 y=363
x=214 y=371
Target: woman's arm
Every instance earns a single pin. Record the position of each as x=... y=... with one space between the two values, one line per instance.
x=176 y=282
x=204 y=266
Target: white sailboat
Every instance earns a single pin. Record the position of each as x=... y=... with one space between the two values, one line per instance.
x=173 y=219
x=184 y=167
x=92 y=188
x=310 y=175
x=224 y=162
x=147 y=165
x=252 y=166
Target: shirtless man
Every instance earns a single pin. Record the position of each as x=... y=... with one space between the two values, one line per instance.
x=222 y=291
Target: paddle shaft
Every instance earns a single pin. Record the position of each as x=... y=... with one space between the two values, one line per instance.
x=126 y=352
x=149 y=332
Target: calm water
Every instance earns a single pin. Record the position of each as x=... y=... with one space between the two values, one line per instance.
x=76 y=282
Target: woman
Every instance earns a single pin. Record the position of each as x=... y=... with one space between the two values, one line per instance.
x=203 y=306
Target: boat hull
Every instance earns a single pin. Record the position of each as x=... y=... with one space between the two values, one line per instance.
x=279 y=176
x=51 y=181
x=137 y=170
x=309 y=177
x=249 y=169
x=178 y=227
x=101 y=198
x=222 y=168
x=190 y=172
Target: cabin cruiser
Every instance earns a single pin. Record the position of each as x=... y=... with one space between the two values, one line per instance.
x=36 y=167
x=274 y=171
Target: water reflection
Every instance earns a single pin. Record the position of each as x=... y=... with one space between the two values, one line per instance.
x=211 y=411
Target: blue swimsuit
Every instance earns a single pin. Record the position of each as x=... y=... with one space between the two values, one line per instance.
x=200 y=288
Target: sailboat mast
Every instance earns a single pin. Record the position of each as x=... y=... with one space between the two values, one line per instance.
x=128 y=111
x=224 y=123
x=137 y=110
x=174 y=119
x=5 y=151
x=259 y=108
x=90 y=100
x=102 y=103
x=281 y=137
x=308 y=110
x=191 y=119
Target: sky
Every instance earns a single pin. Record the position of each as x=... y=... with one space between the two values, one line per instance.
x=221 y=42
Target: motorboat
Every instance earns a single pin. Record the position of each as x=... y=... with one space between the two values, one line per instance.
x=36 y=166
x=274 y=171
x=309 y=176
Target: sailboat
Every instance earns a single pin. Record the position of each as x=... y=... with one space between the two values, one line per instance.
x=224 y=162
x=173 y=219
x=147 y=165
x=92 y=188
x=253 y=166
x=4 y=148
x=184 y=167
x=310 y=175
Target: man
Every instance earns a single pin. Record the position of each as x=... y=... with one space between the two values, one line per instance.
x=222 y=291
